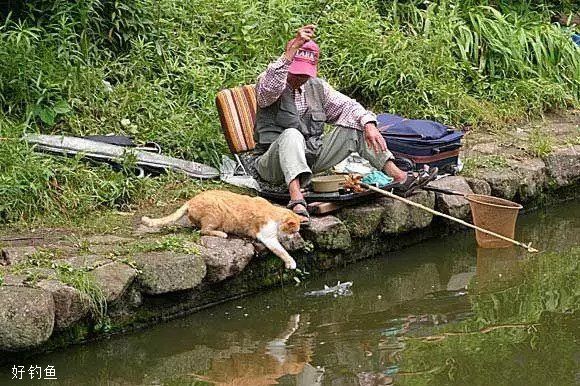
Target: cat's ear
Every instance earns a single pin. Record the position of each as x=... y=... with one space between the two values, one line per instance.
x=292 y=223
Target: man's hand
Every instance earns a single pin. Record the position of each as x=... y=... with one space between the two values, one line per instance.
x=374 y=138
x=303 y=35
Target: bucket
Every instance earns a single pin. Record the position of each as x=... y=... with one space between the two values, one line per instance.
x=496 y=215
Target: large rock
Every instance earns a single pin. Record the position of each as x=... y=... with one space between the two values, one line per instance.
x=504 y=183
x=225 y=257
x=26 y=317
x=163 y=272
x=69 y=304
x=562 y=165
x=328 y=232
x=362 y=221
x=113 y=279
x=533 y=176
x=400 y=217
x=453 y=205
x=478 y=186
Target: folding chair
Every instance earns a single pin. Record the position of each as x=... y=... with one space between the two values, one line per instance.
x=237 y=110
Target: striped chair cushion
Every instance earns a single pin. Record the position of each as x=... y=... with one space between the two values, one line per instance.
x=237 y=110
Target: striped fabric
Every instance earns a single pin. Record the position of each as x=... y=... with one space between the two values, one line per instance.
x=237 y=110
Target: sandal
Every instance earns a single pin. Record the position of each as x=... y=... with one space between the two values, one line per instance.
x=415 y=181
x=302 y=212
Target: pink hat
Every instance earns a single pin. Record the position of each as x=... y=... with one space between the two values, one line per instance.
x=305 y=60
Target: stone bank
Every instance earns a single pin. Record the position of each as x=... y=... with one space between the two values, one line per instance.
x=105 y=284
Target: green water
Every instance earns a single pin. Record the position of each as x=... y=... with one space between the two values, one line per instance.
x=410 y=318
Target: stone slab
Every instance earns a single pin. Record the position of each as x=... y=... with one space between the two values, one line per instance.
x=327 y=232
x=26 y=317
x=453 y=205
x=113 y=279
x=532 y=179
x=15 y=255
x=563 y=165
x=504 y=183
x=88 y=262
x=478 y=186
x=14 y=279
x=163 y=272
x=107 y=240
x=362 y=221
x=400 y=217
x=225 y=257
x=69 y=304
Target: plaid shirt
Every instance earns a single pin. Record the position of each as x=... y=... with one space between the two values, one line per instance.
x=339 y=109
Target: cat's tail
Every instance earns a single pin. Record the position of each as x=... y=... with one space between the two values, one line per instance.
x=172 y=218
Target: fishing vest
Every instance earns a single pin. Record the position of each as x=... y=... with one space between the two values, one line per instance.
x=272 y=120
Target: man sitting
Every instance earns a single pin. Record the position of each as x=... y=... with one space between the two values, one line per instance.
x=294 y=105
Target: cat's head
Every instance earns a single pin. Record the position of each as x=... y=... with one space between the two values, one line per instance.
x=290 y=223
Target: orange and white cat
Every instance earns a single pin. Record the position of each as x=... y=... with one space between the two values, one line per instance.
x=218 y=212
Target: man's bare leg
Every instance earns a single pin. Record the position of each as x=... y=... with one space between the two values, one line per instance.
x=392 y=170
x=296 y=194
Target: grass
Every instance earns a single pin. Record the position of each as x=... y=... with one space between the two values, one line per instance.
x=490 y=162
x=151 y=70
x=179 y=243
x=540 y=143
x=34 y=268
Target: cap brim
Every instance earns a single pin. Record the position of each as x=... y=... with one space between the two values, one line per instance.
x=302 y=68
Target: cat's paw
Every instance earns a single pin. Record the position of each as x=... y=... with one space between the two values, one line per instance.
x=291 y=264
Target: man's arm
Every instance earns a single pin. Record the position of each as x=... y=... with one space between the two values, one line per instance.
x=344 y=111
x=272 y=82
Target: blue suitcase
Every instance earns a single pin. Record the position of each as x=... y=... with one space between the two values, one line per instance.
x=416 y=143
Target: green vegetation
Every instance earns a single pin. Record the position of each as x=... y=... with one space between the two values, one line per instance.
x=151 y=69
x=181 y=243
x=45 y=264
x=540 y=143
x=533 y=317
x=490 y=162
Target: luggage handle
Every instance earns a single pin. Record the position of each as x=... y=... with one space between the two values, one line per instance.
x=444 y=148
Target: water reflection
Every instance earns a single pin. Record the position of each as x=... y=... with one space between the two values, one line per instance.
x=365 y=339
x=496 y=268
x=270 y=361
